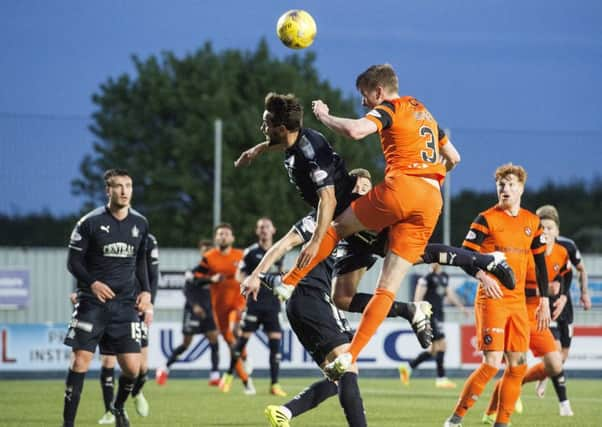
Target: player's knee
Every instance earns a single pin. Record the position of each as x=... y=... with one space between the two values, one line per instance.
x=342 y=301
x=81 y=361
x=130 y=365
x=553 y=365
x=108 y=362
x=493 y=358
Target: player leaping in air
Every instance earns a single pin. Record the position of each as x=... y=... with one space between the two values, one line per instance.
x=321 y=177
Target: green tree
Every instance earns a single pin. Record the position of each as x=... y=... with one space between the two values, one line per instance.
x=159 y=125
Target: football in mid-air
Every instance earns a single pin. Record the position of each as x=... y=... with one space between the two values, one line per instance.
x=296 y=29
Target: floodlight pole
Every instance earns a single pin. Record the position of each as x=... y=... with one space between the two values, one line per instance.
x=447 y=203
x=217 y=174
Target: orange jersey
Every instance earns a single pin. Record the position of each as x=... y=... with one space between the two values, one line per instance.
x=226 y=290
x=518 y=237
x=410 y=137
x=557 y=264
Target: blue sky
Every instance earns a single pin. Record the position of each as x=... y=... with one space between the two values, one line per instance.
x=513 y=80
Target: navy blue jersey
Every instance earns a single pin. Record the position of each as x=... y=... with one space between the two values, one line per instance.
x=321 y=276
x=436 y=288
x=109 y=250
x=197 y=292
x=152 y=265
x=312 y=164
x=575 y=257
x=251 y=259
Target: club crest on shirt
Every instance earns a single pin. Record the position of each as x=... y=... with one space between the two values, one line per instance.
x=556 y=268
x=319 y=175
x=528 y=231
x=135 y=232
x=309 y=224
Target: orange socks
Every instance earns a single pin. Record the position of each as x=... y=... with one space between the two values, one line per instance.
x=510 y=391
x=473 y=387
x=329 y=242
x=240 y=370
x=495 y=396
x=374 y=314
x=535 y=373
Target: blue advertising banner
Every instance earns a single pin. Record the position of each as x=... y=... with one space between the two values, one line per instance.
x=35 y=347
x=14 y=288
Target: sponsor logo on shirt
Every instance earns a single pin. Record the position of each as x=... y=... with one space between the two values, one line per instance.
x=118 y=250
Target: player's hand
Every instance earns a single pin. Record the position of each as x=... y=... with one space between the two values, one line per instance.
x=217 y=277
x=188 y=276
x=559 y=306
x=554 y=287
x=199 y=311
x=102 y=291
x=144 y=306
x=585 y=301
x=490 y=285
x=319 y=108
x=250 y=286
x=73 y=298
x=309 y=251
x=247 y=156
x=542 y=314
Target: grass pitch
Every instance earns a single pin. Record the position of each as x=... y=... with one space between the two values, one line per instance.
x=194 y=403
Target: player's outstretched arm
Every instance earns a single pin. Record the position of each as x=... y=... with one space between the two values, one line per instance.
x=351 y=128
x=247 y=156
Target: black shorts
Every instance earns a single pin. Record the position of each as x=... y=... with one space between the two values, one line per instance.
x=114 y=326
x=563 y=332
x=437 y=325
x=253 y=317
x=193 y=324
x=345 y=263
x=143 y=338
x=318 y=324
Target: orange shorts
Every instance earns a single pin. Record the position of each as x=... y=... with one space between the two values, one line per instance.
x=540 y=342
x=227 y=312
x=502 y=325
x=410 y=205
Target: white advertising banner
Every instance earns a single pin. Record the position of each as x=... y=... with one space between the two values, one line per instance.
x=394 y=342
x=39 y=347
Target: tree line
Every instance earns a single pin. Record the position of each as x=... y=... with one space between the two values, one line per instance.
x=579 y=204
x=158 y=124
